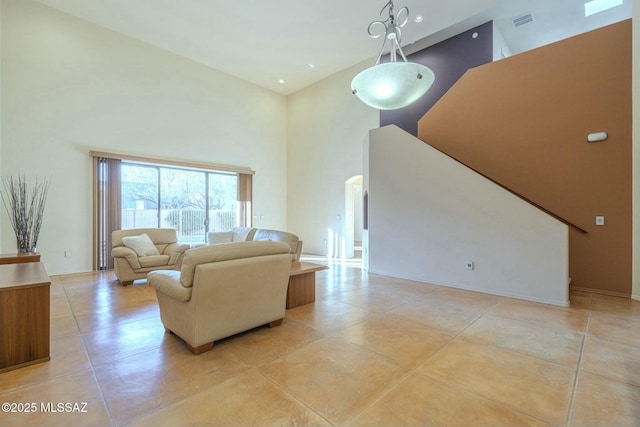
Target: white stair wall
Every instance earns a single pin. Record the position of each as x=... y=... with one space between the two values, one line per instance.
x=429 y=216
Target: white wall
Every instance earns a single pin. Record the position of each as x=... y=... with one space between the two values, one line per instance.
x=636 y=150
x=429 y=215
x=326 y=127
x=69 y=86
x=1 y=207
x=501 y=49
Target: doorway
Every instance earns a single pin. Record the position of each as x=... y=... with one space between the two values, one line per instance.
x=353 y=217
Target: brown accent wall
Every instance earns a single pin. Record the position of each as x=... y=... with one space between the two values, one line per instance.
x=523 y=122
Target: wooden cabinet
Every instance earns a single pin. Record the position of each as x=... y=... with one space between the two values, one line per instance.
x=17 y=258
x=24 y=315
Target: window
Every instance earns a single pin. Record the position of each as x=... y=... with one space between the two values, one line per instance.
x=193 y=202
x=133 y=192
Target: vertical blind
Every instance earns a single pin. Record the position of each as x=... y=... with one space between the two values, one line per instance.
x=107 y=196
x=106 y=209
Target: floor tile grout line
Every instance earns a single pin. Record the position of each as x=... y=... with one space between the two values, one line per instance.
x=403 y=378
x=295 y=398
x=336 y=335
x=459 y=335
x=179 y=400
x=491 y=399
x=415 y=369
x=91 y=365
x=577 y=370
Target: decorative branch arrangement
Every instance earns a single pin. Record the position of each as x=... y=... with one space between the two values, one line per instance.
x=24 y=203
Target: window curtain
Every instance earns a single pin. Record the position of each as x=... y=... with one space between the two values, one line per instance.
x=106 y=209
x=245 y=194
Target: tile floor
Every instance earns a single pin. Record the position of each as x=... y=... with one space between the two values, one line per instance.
x=371 y=351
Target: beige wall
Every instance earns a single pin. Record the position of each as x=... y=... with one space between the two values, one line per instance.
x=1 y=118
x=69 y=87
x=327 y=125
x=636 y=149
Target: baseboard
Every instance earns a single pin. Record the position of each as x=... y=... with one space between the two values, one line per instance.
x=599 y=292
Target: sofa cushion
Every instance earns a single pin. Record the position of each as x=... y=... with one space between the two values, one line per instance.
x=141 y=245
x=278 y=236
x=216 y=238
x=154 y=261
x=207 y=254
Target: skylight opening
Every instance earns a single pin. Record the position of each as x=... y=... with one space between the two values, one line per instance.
x=596 y=6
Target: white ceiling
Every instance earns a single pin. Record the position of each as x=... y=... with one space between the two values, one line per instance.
x=267 y=41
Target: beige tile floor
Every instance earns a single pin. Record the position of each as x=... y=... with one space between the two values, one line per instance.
x=371 y=351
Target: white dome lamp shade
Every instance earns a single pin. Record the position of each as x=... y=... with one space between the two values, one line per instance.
x=394 y=84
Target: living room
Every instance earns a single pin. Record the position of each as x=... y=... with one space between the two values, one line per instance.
x=69 y=87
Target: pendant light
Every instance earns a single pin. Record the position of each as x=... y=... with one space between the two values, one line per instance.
x=395 y=84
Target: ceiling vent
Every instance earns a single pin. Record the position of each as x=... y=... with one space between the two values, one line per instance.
x=522 y=20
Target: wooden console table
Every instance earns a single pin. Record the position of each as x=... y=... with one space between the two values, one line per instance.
x=17 y=258
x=24 y=315
x=302 y=283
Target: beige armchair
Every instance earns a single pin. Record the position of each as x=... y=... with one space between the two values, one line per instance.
x=223 y=290
x=239 y=234
x=134 y=257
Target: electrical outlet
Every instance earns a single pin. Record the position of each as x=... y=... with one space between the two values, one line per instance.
x=470 y=265
x=600 y=220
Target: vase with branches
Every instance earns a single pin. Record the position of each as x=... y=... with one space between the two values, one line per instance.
x=24 y=202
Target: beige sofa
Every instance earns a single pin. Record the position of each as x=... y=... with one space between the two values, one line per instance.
x=131 y=265
x=222 y=290
x=240 y=234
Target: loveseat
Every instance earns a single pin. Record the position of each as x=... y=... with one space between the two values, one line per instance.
x=242 y=234
x=222 y=290
x=138 y=251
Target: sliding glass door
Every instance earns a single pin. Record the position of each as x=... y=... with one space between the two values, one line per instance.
x=191 y=201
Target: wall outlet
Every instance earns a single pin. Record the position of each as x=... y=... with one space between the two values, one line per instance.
x=600 y=220
x=471 y=265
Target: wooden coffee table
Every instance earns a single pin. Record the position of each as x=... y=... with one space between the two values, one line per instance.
x=302 y=283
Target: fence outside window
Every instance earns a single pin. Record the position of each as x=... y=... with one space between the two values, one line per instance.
x=190 y=224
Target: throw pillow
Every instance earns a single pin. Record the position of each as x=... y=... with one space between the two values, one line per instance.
x=141 y=245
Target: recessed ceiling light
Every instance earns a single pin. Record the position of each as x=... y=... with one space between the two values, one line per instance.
x=596 y=6
x=418 y=18
x=281 y=81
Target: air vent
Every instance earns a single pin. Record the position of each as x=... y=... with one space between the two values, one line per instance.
x=522 y=20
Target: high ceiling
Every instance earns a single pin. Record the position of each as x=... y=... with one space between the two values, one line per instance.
x=266 y=42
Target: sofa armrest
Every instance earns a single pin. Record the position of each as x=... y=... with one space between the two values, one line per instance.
x=182 y=247
x=175 y=251
x=128 y=254
x=168 y=282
